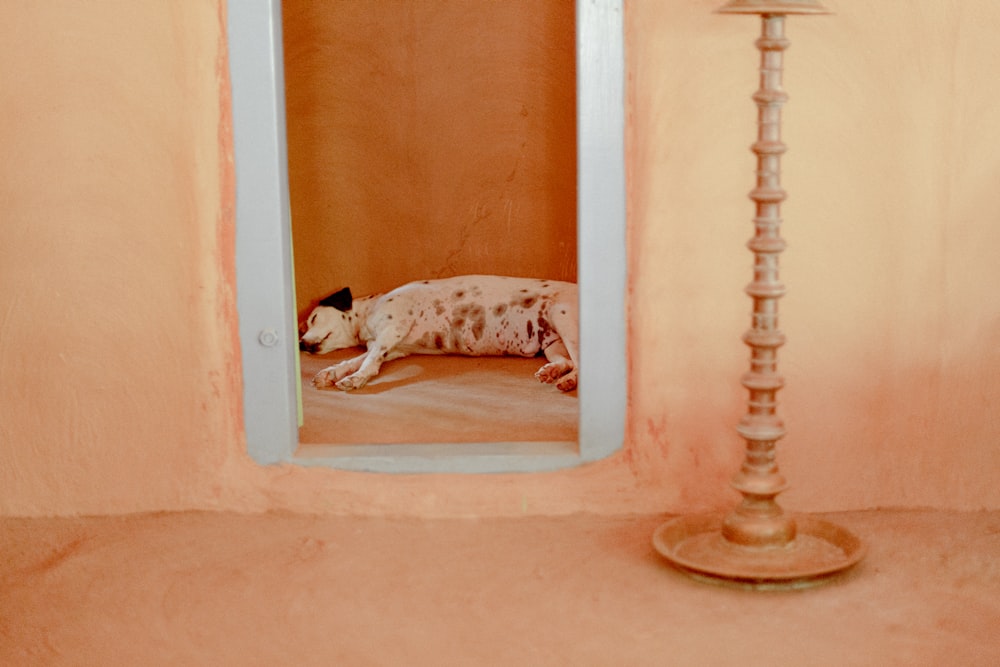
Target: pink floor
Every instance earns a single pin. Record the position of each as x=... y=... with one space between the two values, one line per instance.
x=283 y=589
x=438 y=399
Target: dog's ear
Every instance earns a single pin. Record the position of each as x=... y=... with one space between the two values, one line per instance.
x=341 y=300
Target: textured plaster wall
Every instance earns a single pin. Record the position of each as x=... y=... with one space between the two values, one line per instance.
x=429 y=139
x=119 y=367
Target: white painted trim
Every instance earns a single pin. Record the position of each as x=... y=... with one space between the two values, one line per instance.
x=264 y=272
x=263 y=231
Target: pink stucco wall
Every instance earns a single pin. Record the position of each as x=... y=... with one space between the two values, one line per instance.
x=119 y=361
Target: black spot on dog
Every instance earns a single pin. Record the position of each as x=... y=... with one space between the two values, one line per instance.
x=438 y=306
x=474 y=314
x=458 y=294
x=524 y=298
x=531 y=328
x=439 y=341
x=425 y=339
x=544 y=330
x=499 y=309
x=478 y=315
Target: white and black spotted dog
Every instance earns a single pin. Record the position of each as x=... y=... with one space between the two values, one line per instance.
x=466 y=315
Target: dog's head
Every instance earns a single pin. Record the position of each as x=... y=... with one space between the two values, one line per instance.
x=330 y=326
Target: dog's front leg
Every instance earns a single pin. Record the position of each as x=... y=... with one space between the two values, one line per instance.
x=331 y=375
x=373 y=360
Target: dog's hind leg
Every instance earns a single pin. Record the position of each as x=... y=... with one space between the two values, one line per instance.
x=560 y=371
x=563 y=354
x=559 y=363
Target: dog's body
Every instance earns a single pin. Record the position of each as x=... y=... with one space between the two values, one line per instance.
x=467 y=315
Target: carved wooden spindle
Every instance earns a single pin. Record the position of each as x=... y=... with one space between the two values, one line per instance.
x=759 y=521
x=758 y=544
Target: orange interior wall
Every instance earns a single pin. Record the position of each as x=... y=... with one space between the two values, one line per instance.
x=119 y=361
x=429 y=139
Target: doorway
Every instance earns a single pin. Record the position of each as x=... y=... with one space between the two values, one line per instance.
x=428 y=140
x=263 y=240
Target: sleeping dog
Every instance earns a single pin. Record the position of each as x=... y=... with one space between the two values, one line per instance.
x=467 y=315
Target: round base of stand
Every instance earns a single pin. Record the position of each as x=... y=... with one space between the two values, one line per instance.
x=820 y=550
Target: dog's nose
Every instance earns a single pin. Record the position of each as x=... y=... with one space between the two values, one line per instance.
x=307 y=347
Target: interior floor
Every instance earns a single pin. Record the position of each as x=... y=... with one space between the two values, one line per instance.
x=448 y=399
x=284 y=589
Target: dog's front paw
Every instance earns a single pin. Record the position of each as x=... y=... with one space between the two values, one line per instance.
x=323 y=379
x=328 y=377
x=352 y=382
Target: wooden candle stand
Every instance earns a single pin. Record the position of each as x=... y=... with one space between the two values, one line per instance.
x=758 y=545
